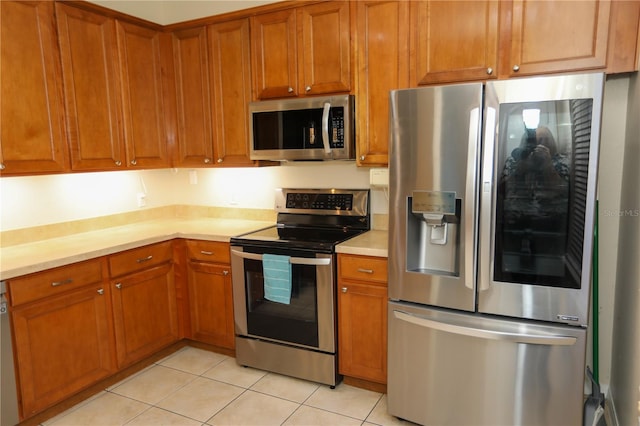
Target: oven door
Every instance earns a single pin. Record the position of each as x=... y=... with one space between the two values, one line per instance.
x=308 y=320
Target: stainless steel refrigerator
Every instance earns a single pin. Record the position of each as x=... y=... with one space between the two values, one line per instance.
x=492 y=193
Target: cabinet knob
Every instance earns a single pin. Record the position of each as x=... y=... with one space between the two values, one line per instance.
x=516 y=68
x=118 y=286
x=290 y=90
x=489 y=71
x=362 y=158
x=220 y=160
x=134 y=162
x=344 y=289
x=2 y=166
x=308 y=88
x=207 y=160
x=101 y=291
x=118 y=163
x=225 y=272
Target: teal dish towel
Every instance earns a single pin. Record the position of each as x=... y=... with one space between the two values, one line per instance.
x=277 y=278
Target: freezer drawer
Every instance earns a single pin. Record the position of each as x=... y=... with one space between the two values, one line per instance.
x=449 y=368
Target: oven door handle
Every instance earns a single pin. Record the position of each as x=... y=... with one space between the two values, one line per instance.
x=293 y=260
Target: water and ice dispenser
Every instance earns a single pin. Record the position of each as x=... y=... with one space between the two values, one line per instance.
x=433 y=236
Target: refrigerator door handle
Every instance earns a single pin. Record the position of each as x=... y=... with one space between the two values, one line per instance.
x=486 y=192
x=470 y=199
x=527 y=338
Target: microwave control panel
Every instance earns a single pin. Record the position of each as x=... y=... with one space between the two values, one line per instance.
x=336 y=132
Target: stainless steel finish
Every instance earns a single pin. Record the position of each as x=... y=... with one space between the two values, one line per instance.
x=292 y=260
x=348 y=152
x=360 y=204
x=531 y=301
x=486 y=192
x=434 y=145
x=8 y=390
x=516 y=68
x=326 y=288
x=469 y=368
x=63 y=282
x=315 y=366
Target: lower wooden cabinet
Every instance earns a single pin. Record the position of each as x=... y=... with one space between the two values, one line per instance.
x=63 y=336
x=145 y=312
x=210 y=293
x=362 y=317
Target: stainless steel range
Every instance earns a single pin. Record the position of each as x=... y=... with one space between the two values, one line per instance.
x=284 y=283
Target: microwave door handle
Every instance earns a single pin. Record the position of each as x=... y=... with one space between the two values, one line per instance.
x=325 y=127
x=293 y=260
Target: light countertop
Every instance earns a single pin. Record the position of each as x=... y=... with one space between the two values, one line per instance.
x=38 y=256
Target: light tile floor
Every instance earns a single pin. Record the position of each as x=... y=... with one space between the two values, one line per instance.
x=199 y=388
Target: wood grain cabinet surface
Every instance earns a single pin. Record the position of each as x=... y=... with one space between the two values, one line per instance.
x=63 y=333
x=302 y=51
x=362 y=317
x=210 y=293
x=32 y=130
x=145 y=309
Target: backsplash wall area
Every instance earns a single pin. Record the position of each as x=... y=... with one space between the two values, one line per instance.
x=42 y=200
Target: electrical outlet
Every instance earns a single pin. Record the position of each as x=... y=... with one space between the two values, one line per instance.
x=142 y=199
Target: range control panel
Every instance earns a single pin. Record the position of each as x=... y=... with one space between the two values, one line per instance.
x=326 y=202
x=305 y=200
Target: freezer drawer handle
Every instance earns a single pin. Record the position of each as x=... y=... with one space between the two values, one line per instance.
x=292 y=260
x=535 y=339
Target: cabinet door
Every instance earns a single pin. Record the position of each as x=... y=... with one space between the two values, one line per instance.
x=88 y=50
x=325 y=49
x=454 y=41
x=230 y=71
x=552 y=36
x=362 y=331
x=145 y=313
x=274 y=54
x=193 y=99
x=62 y=345
x=211 y=304
x=32 y=135
x=143 y=104
x=383 y=57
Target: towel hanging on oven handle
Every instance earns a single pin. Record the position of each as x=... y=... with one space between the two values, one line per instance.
x=293 y=260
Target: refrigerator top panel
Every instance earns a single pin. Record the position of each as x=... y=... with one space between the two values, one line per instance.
x=434 y=157
x=538 y=184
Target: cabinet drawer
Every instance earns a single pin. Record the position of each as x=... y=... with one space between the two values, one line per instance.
x=364 y=268
x=140 y=258
x=208 y=251
x=54 y=281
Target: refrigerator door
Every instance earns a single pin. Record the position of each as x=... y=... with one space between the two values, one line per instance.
x=450 y=368
x=539 y=166
x=435 y=142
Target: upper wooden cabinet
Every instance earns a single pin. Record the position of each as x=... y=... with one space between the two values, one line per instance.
x=302 y=51
x=113 y=91
x=30 y=86
x=554 y=36
x=213 y=90
x=382 y=43
x=453 y=41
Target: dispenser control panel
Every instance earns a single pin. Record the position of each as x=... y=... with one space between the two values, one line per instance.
x=434 y=202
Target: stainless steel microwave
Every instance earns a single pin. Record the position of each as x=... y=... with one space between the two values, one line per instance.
x=313 y=128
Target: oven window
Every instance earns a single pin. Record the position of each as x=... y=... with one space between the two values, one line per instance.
x=296 y=322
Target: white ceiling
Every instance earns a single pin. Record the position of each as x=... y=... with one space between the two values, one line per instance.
x=167 y=12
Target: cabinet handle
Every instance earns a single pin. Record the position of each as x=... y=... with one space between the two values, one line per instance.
x=101 y=291
x=365 y=271
x=144 y=259
x=516 y=68
x=206 y=253
x=225 y=272
x=118 y=286
x=308 y=88
x=63 y=282
x=290 y=90
x=344 y=289
x=207 y=160
x=489 y=71
x=134 y=162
